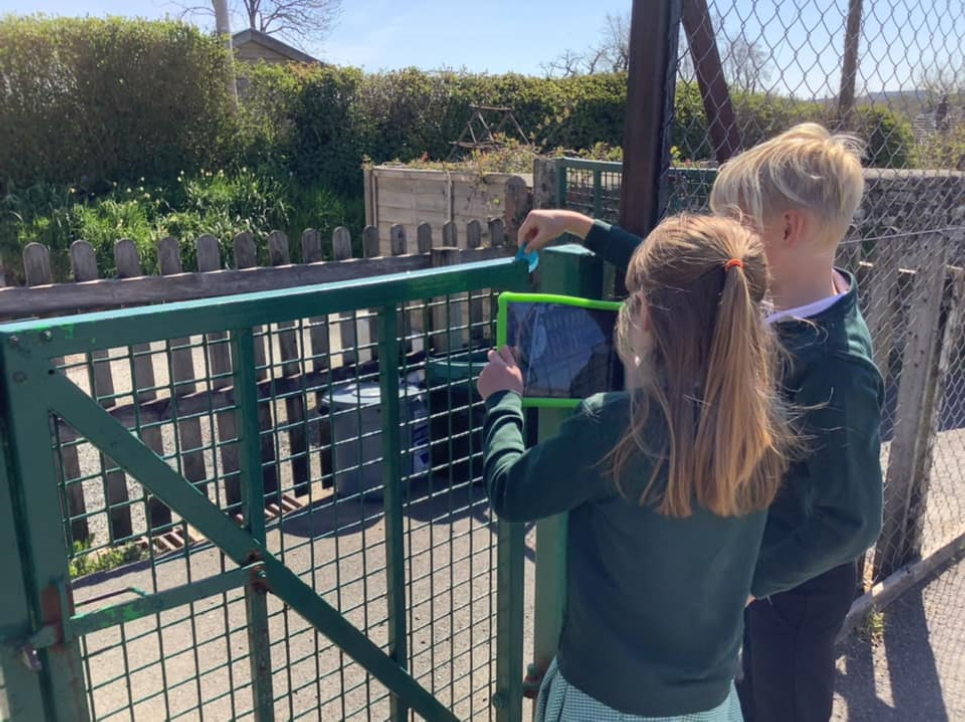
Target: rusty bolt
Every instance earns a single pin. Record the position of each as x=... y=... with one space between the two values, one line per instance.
x=499 y=701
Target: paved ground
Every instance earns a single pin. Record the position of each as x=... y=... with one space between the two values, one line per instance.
x=915 y=672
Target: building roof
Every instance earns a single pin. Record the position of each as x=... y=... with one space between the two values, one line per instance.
x=250 y=35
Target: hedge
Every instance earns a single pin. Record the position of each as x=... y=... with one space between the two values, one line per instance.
x=89 y=100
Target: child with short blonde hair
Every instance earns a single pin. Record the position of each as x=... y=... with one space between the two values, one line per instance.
x=799 y=192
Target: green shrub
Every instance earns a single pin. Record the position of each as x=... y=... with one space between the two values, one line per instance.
x=217 y=203
x=91 y=100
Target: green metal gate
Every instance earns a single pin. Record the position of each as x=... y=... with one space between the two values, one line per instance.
x=420 y=597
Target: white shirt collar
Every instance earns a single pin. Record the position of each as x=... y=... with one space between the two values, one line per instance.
x=842 y=287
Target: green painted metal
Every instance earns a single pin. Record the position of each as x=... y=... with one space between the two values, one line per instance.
x=574 y=271
x=81 y=624
x=37 y=390
x=85 y=333
x=102 y=430
x=253 y=514
x=28 y=430
x=393 y=494
x=510 y=611
x=21 y=691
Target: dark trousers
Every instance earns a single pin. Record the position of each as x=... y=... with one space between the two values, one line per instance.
x=788 y=657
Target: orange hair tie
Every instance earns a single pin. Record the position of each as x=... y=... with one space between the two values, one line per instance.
x=733 y=263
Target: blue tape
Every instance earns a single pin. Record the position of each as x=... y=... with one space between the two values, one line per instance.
x=531 y=258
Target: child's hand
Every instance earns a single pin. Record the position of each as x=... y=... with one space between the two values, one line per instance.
x=542 y=227
x=500 y=374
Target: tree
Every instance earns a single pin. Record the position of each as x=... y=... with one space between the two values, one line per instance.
x=746 y=64
x=300 y=22
x=611 y=54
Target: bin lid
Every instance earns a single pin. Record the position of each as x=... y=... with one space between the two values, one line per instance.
x=367 y=393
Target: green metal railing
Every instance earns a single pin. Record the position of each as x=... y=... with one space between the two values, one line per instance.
x=336 y=607
x=593 y=187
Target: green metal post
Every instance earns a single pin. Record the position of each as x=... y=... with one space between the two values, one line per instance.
x=392 y=474
x=510 y=601
x=25 y=378
x=253 y=513
x=561 y=183
x=574 y=271
x=21 y=694
x=597 y=193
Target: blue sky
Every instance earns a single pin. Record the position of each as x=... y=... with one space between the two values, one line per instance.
x=495 y=35
x=803 y=38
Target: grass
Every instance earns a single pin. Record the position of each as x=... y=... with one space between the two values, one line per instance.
x=872 y=627
x=219 y=203
x=87 y=561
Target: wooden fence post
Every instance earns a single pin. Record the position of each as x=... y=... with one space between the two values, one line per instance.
x=446 y=312
x=544 y=183
x=348 y=336
x=477 y=321
x=318 y=327
x=903 y=485
x=246 y=256
x=36 y=267
x=142 y=380
x=280 y=255
x=181 y=357
x=219 y=374
x=399 y=244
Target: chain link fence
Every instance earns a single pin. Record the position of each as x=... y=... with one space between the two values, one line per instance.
x=893 y=73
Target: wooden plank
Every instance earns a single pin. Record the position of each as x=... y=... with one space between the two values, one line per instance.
x=246 y=256
x=219 y=353
x=36 y=264
x=400 y=247
x=883 y=299
x=318 y=329
x=949 y=334
x=477 y=322
x=83 y=263
x=319 y=334
x=341 y=251
x=279 y=254
x=370 y=242
x=368 y=185
x=424 y=238
x=68 y=298
x=219 y=377
x=903 y=487
x=516 y=205
x=446 y=310
x=497 y=233
x=190 y=440
x=143 y=381
x=450 y=236
x=387 y=175
x=371 y=249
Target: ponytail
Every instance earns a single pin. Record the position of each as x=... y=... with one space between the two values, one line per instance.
x=710 y=369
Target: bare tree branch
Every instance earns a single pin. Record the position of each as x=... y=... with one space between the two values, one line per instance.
x=300 y=22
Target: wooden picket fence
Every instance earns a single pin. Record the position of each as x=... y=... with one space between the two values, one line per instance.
x=177 y=383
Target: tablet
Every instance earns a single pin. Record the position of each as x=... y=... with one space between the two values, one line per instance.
x=564 y=346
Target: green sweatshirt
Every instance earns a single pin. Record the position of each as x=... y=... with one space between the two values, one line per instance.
x=654 y=605
x=829 y=509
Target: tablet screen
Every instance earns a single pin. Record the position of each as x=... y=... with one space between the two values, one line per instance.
x=564 y=351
